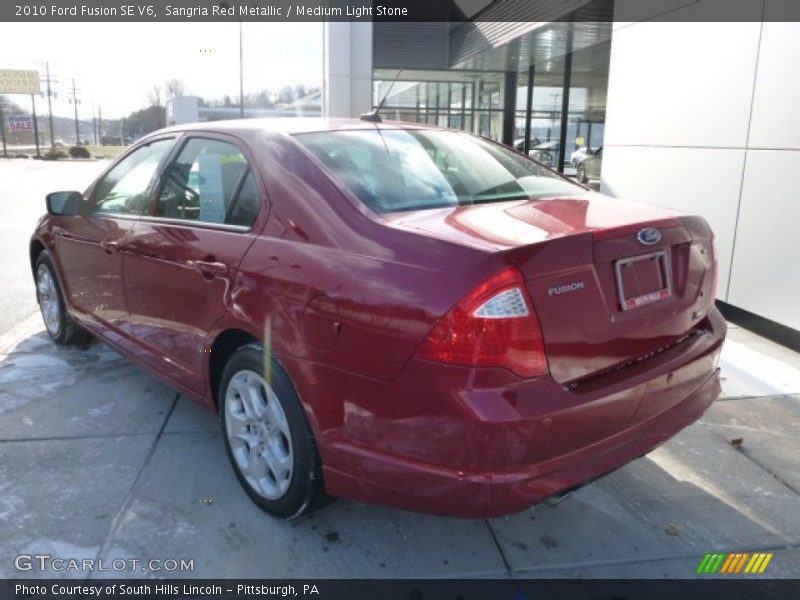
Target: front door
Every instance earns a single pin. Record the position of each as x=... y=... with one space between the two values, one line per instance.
x=89 y=248
x=182 y=255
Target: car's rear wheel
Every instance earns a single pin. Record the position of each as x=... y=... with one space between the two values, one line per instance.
x=60 y=326
x=267 y=436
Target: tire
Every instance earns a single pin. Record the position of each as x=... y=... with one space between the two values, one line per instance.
x=582 y=174
x=59 y=324
x=267 y=434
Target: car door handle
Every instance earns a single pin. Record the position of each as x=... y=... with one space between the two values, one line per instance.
x=209 y=269
x=110 y=246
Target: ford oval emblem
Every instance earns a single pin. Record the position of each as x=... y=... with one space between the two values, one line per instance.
x=649 y=236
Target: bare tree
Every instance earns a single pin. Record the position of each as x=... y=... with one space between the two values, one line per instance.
x=174 y=87
x=154 y=96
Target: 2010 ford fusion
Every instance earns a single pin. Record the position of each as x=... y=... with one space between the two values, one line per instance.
x=392 y=313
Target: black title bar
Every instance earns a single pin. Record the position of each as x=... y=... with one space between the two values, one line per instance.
x=148 y=11
x=711 y=588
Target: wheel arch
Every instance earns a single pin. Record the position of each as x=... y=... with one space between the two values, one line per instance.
x=36 y=248
x=221 y=349
x=225 y=343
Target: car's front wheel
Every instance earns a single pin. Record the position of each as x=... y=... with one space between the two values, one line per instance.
x=267 y=436
x=60 y=326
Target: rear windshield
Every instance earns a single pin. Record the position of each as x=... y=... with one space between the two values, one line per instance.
x=399 y=170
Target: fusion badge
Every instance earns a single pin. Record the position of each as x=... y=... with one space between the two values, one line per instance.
x=566 y=288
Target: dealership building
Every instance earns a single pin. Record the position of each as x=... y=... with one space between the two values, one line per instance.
x=697 y=116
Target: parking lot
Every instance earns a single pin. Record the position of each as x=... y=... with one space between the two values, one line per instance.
x=100 y=460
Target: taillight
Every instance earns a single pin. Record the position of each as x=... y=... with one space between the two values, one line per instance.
x=492 y=326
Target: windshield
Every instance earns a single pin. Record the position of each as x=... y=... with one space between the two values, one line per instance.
x=400 y=170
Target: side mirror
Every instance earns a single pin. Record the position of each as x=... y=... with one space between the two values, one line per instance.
x=64 y=203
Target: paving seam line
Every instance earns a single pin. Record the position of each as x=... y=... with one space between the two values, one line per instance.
x=115 y=523
x=499 y=547
x=749 y=429
x=763 y=467
x=98 y=436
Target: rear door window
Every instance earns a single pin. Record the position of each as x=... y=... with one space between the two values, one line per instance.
x=204 y=182
x=245 y=208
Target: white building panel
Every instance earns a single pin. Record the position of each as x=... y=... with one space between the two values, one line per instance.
x=681 y=84
x=776 y=112
x=766 y=260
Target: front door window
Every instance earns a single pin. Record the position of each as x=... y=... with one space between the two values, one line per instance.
x=123 y=190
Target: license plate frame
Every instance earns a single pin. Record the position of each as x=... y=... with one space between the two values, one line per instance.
x=663 y=257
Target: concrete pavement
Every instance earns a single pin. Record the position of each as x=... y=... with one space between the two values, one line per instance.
x=23 y=187
x=102 y=461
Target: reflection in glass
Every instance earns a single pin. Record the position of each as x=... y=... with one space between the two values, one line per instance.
x=400 y=170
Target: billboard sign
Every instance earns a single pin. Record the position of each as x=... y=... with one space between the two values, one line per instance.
x=14 y=81
x=20 y=123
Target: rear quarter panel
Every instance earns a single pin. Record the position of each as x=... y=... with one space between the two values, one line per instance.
x=336 y=287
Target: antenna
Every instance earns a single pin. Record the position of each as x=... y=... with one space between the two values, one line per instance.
x=373 y=116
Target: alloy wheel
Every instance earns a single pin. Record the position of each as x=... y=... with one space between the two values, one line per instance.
x=259 y=435
x=49 y=302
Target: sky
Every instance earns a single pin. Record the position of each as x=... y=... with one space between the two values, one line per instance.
x=115 y=65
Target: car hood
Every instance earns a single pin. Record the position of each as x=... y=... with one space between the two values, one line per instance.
x=504 y=225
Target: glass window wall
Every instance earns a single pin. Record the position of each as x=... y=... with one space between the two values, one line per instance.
x=474 y=101
x=461 y=100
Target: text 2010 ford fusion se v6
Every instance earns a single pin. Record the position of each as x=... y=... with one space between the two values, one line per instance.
x=392 y=313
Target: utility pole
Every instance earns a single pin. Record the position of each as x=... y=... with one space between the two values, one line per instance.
x=35 y=124
x=94 y=124
x=50 y=104
x=100 y=123
x=75 y=102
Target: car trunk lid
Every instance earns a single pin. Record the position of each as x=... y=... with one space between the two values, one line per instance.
x=603 y=297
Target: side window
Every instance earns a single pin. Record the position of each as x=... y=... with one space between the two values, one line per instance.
x=123 y=189
x=246 y=205
x=201 y=183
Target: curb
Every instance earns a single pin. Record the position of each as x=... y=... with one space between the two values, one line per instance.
x=29 y=326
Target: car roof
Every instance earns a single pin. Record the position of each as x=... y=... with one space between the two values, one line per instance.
x=292 y=125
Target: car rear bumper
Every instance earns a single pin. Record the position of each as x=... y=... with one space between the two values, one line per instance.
x=491 y=449
x=422 y=488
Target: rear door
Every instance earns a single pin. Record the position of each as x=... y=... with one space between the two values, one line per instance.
x=88 y=247
x=181 y=257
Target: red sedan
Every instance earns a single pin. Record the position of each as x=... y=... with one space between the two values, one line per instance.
x=392 y=313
